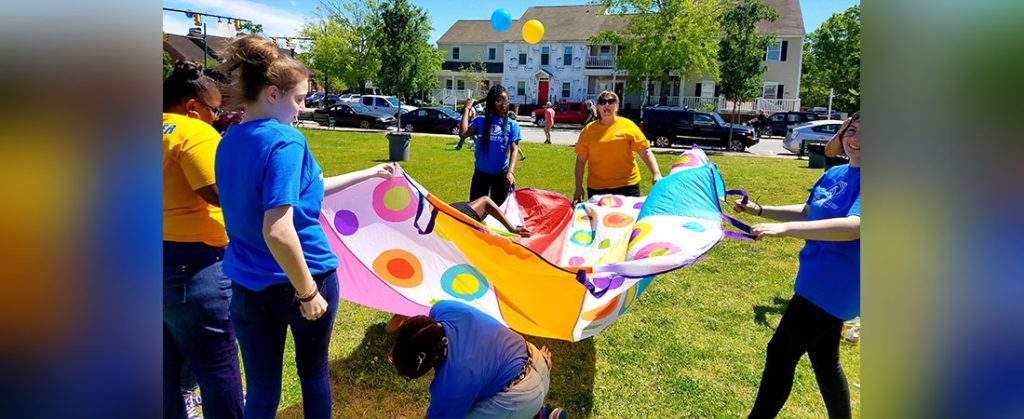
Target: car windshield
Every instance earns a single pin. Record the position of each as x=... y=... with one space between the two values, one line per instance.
x=360 y=108
x=449 y=112
x=393 y=101
x=718 y=118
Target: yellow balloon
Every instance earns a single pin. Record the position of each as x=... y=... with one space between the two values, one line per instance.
x=533 y=31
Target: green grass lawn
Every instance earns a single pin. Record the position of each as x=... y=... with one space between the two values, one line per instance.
x=692 y=346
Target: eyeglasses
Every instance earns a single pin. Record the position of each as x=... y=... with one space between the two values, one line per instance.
x=216 y=111
x=609 y=101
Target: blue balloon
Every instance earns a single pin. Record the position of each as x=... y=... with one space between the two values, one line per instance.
x=501 y=20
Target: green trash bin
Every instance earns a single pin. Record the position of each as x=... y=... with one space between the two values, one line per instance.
x=398 y=146
x=815 y=156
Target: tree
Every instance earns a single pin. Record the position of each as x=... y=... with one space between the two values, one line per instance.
x=475 y=74
x=742 y=50
x=342 y=50
x=663 y=38
x=409 y=64
x=168 y=65
x=251 y=28
x=831 y=60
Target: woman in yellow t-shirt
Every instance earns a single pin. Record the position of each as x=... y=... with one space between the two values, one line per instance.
x=607 y=146
x=197 y=294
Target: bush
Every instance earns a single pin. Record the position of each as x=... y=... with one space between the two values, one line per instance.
x=707 y=107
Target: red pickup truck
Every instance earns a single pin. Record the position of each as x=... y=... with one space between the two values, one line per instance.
x=565 y=113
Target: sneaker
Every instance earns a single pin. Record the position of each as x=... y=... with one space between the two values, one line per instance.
x=557 y=413
x=193 y=401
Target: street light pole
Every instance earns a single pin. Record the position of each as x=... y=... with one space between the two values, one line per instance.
x=206 y=49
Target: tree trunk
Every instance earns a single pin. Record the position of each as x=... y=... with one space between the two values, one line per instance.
x=733 y=121
x=663 y=97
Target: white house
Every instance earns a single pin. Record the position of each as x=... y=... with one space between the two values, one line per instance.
x=565 y=66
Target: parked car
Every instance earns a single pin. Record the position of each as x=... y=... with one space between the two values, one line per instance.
x=822 y=113
x=441 y=120
x=347 y=116
x=665 y=126
x=780 y=122
x=814 y=130
x=349 y=98
x=386 y=104
x=313 y=98
x=565 y=113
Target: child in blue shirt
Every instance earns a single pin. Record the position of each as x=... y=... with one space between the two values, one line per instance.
x=827 y=289
x=497 y=148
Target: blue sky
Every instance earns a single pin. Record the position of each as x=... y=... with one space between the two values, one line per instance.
x=284 y=18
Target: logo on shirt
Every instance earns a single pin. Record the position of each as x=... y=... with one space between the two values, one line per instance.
x=823 y=197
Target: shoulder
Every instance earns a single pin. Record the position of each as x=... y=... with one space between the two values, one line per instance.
x=626 y=124
x=448 y=307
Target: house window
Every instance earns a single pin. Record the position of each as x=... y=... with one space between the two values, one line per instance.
x=521 y=87
x=545 y=54
x=461 y=84
x=567 y=56
x=522 y=57
x=770 y=90
x=455 y=53
x=605 y=51
x=565 y=89
x=774 y=52
x=448 y=84
x=492 y=53
x=707 y=89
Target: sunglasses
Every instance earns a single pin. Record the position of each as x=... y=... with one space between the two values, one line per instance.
x=609 y=101
x=216 y=111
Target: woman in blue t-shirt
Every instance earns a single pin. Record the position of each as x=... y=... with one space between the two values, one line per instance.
x=497 y=148
x=271 y=190
x=481 y=368
x=827 y=289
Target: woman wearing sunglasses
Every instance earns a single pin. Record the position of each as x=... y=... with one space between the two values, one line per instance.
x=607 y=146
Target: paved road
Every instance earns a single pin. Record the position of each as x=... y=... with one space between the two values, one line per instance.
x=568 y=134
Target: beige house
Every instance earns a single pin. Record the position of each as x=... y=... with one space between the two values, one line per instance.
x=565 y=66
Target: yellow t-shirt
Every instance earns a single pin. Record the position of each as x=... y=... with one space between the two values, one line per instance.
x=609 y=152
x=190 y=147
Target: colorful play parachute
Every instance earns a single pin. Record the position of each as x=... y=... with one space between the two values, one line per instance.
x=402 y=250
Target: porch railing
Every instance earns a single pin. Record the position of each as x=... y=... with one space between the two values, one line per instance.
x=600 y=61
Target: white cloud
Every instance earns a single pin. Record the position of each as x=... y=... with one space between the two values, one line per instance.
x=276 y=21
x=293 y=4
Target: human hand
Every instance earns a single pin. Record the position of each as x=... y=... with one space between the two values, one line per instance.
x=769 y=230
x=469 y=104
x=547 y=355
x=578 y=195
x=655 y=178
x=750 y=207
x=522 y=231
x=510 y=179
x=313 y=309
x=386 y=171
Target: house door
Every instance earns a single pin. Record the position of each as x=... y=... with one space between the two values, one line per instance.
x=619 y=87
x=542 y=92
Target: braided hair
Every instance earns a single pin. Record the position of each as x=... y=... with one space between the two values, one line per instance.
x=490 y=111
x=419 y=344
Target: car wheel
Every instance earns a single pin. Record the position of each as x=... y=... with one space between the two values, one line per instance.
x=662 y=142
x=364 y=124
x=736 y=146
x=540 y=122
x=455 y=130
x=408 y=128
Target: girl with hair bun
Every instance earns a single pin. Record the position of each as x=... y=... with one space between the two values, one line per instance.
x=271 y=191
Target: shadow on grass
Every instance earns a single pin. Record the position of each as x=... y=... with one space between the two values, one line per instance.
x=364 y=384
x=761 y=312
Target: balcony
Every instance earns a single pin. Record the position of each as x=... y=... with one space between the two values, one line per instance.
x=601 y=61
x=768 y=106
x=449 y=95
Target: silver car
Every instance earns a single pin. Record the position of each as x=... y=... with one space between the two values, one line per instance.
x=814 y=130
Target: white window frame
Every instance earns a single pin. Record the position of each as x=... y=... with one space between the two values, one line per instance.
x=460 y=84
x=456 y=53
x=774 y=88
x=521 y=87
x=448 y=84
x=489 y=49
x=707 y=88
x=567 y=51
x=566 y=89
x=602 y=53
x=777 y=49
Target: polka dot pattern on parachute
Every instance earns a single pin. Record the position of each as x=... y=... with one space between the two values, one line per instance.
x=577 y=261
x=394 y=200
x=583 y=218
x=638 y=205
x=610 y=201
x=694 y=226
x=346 y=222
x=617 y=220
x=639 y=231
x=399 y=268
x=606 y=243
x=464 y=282
x=582 y=237
x=656 y=249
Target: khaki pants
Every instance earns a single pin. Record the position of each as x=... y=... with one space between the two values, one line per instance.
x=547 y=133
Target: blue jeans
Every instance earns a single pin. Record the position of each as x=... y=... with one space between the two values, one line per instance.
x=197 y=295
x=261 y=319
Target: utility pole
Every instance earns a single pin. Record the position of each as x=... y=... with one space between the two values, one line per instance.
x=830 y=91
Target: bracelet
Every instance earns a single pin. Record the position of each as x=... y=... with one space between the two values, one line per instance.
x=308 y=297
x=760 y=209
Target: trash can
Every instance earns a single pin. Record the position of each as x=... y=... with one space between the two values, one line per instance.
x=398 y=144
x=816 y=156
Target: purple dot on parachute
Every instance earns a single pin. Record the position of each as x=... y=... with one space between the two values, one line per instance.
x=346 y=223
x=601 y=282
x=576 y=261
x=636 y=232
x=638 y=205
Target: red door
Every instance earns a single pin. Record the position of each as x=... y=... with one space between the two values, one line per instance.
x=542 y=92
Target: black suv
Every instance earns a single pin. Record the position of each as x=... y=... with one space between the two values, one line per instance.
x=665 y=126
x=780 y=122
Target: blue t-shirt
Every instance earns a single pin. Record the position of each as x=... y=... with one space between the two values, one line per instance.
x=483 y=357
x=495 y=159
x=260 y=165
x=829 y=273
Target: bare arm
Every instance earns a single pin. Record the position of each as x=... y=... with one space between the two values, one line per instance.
x=485 y=206
x=283 y=242
x=513 y=160
x=648 y=158
x=464 y=129
x=796 y=212
x=209 y=194
x=832 y=229
x=337 y=183
x=581 y=164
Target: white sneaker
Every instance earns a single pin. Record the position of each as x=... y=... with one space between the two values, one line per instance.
x=193 y=401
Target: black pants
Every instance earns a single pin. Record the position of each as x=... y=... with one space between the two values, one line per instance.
x=487 y=184
x=804 y=328
x=630 y=190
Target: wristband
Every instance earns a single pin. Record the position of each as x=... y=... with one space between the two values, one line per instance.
x=310 y=297
x=760 y=209
x=307 y=297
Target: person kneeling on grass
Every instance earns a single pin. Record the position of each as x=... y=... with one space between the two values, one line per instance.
x=481 y=368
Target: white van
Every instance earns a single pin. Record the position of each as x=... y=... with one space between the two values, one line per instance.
x=385 y=104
